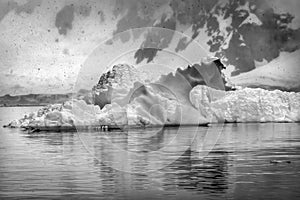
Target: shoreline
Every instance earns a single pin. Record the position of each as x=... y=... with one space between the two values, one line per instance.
x=25 y=105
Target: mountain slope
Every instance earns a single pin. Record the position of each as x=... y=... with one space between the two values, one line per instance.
x=281 y=73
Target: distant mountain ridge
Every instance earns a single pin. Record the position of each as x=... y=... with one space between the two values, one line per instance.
x=42 y=99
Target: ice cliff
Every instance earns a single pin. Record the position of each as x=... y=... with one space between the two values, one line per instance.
x=246 y=105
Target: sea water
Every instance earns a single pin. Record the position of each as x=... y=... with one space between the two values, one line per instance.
x=242 y=161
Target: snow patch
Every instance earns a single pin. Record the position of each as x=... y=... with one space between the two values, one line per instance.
x=282 y=72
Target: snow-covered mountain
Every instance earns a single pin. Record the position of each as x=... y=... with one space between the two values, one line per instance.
x=44 y=43
x=281 y=73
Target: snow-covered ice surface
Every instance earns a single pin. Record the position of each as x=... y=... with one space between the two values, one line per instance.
x=247 y=105
x=281 y=73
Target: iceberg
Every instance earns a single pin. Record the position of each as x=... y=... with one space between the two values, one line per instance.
x=197 y=95
x=246 y=105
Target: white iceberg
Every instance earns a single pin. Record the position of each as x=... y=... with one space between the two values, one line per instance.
x=192 y=96
x=247 y=105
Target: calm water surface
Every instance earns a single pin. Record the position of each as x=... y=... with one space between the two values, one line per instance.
x=239 y=164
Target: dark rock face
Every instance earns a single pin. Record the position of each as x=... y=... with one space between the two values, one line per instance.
x=64 y=19
x=249 y=42
x=261 y=42
x=139 y=13
x=156 y=39
x=102 y=92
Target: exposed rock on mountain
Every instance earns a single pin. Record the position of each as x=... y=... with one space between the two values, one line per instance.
x=58 y=36
x=242 y=31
